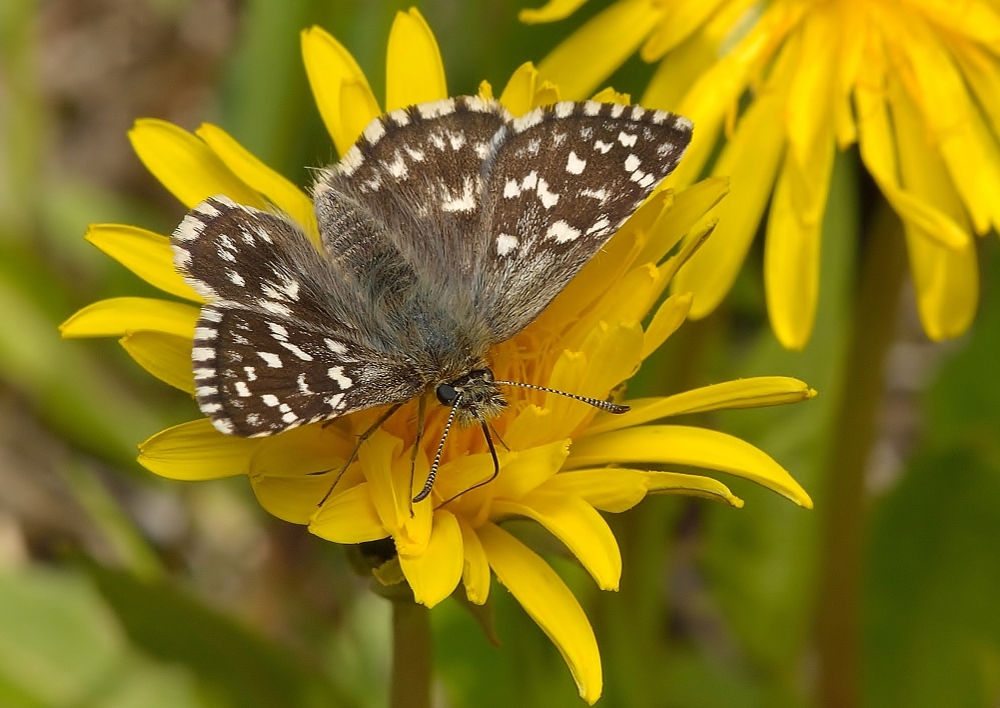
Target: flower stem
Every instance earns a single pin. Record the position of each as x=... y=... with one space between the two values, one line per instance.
x=839 y=600
x=411 y=655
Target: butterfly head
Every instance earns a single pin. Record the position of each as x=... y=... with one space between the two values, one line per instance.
x=475 y=396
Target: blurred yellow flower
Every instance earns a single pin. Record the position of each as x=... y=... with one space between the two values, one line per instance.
x=916 y=83
x=557 y=468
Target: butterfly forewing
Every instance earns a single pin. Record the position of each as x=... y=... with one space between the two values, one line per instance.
x=418 y=171
x=563 y=180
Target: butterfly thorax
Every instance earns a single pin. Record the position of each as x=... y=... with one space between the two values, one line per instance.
x=474 y=395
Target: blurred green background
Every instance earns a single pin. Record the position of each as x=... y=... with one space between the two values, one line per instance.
x=121 y=589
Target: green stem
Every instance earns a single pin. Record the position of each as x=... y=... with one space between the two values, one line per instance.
x=839 y=600
x=411 y=655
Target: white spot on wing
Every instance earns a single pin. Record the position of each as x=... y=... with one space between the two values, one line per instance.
x=351 y=161
x=626 y=139
x=374 y=132
x=270 y=400
x=528 y=120
x=190 y=228
x=272 y=360
x=289 y=286
x=399 y=117
x=505 y=244
x=561 y=232
x=242 y=389
x=549 y=199
x=304 y=356
x=564 y=109
x=335 y=401
x=202 y=354
x=632 y=163
x=397 y=168
x=250 y=372
x=574 y=165
x=208 y=209
x=602 y=146
x=274 y=307
x=436 y=108
x=337 y=374
x=599 y=225
x=466 y=202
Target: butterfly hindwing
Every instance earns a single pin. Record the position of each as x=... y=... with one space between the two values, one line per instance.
x=227 y=251
x=257 y=374
x=278 y=344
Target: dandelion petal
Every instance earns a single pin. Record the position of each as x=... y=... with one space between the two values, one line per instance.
x=547 y=600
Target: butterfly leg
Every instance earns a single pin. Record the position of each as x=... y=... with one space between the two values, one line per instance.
x=497 y=436
x=496 y=467
x=357 y=446
x=421 y=410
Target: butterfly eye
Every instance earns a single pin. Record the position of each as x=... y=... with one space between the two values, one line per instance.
x=446 y=393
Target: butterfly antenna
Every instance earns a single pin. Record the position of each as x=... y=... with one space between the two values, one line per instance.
x=357 y=446
x=496 y=468
x=595 y=402
x=437 y=457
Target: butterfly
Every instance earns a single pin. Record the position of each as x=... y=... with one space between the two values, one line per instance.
x=446 y=229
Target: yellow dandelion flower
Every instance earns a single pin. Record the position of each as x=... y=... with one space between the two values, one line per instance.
x=915 y=83
x=556 y=466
